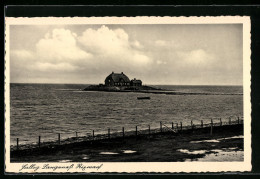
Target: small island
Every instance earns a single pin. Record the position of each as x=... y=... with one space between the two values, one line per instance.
x=119 y=82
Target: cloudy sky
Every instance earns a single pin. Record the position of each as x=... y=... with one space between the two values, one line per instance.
x=156 y=54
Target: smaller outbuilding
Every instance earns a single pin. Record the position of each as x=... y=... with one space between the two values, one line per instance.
x=135 y=82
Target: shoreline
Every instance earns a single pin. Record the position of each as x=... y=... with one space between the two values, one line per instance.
x=188 y=145
x=165 y=92
x=157 y=91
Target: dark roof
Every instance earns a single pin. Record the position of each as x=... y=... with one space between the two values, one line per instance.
x=136 y=81
x=117 y=76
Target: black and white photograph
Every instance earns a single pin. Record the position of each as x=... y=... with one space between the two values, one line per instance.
x=139 y=94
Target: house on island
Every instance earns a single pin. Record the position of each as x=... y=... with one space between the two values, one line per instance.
x=118 y=82
x=120 y=79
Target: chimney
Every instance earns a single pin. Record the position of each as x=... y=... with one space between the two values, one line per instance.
x=122 y=73
x=112 y=72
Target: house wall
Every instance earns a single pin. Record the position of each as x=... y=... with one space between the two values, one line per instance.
x=110 y=82
x=136 y=83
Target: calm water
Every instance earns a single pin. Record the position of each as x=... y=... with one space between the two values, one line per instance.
x=48 y=109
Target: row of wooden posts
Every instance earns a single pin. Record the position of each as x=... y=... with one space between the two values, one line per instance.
x=136 y=130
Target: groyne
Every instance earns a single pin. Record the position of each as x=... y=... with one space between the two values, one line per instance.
x=92 y=140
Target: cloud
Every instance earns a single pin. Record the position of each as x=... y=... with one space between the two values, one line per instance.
x=137 y=45
x=56 y=51
x=22 y=54
x=140 y=59
x=196 y=57
x=159 y=62
x=60 y=46
x=161 y=43
x=66 y=67
x=113 y=47
x=104 y=40
x=87 y=53
x=169 y=44
x=94 y=51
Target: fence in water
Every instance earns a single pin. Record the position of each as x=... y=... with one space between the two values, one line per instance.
x=123 y=133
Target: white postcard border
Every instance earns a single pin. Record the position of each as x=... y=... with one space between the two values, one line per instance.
x=133 y=167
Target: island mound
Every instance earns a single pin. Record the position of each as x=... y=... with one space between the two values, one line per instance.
x=119 y=88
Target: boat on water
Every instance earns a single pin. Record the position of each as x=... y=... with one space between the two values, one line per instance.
x=146 y=97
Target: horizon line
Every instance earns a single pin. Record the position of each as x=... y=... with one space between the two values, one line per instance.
x=143 y=84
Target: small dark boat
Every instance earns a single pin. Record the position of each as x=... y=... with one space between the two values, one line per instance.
x=143 y=98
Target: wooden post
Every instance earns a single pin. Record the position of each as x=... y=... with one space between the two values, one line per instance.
x=220 y=120
x=191 y=123
x=201 y=123
x=39 y=141
x=123 y=130
x=76 y=134
x=229 y=121
x=59 y=138
x=211 y=128
x=17 y=143
x=93 y=134
x=161 y=126
x=172 y=125
x=181 y=126
x=136 y=131
x=108 y=133
x=149 y=130
x=177 y=127
x=238 y=120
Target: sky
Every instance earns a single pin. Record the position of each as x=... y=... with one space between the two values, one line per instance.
x=166 y=54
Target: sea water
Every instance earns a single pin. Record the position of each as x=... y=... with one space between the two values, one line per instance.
x=48 y=109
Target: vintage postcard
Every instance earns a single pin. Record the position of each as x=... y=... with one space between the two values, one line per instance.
x=127 y=94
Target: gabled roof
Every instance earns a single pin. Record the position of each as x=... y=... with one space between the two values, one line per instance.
x=117 y=76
